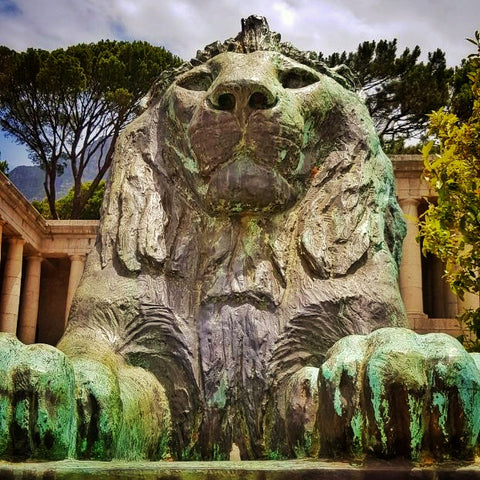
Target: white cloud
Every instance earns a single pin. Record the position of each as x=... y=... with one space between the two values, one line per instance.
x=183 y=26
x=286 y=12
x=128 y=7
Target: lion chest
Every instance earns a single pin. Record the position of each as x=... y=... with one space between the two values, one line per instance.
x=235 y=345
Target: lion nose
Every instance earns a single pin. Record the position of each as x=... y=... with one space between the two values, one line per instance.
x=244 y=95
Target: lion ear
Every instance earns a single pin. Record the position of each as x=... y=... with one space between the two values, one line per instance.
x=343 y=75
x=133 y=218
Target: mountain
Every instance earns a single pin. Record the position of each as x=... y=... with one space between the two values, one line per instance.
x=29 y=179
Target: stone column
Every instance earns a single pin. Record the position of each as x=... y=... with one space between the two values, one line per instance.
x=450 y=301
x=77 y=263
x=12 y=280
x=470 y=300
x=2 y=223
x=27 y=327
x=411 y=267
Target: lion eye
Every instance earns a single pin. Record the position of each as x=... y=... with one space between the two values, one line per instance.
x=297 y=78
x=198 y=81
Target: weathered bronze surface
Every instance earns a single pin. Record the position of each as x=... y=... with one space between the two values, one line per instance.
x=394 y=393
x=250 y=222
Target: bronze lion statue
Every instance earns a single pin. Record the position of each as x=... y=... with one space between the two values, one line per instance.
x=250 y=222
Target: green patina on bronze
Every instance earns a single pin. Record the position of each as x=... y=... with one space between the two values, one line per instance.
x=250 y=225
x=406 y=399
x=38 y=388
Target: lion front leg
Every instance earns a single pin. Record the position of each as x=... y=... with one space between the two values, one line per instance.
x=146 y=421
x=387 y=394
x=122 y=411
x=290 y=418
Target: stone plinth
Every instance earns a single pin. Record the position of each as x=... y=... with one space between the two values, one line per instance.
x=252 y=470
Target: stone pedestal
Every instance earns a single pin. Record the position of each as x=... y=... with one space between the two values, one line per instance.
x=2 y=223
x=29 y=304
x=12 y=280
x=301 y=469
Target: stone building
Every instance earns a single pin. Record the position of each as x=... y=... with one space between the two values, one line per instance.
x=430 y=304
x=41 y=265
x=42 y=262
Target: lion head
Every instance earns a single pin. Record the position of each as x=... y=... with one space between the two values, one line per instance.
x=242 y=130
x=254 y=127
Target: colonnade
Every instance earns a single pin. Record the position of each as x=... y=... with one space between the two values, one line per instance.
x=19 y=298
x=412 y=282
x=40 y=266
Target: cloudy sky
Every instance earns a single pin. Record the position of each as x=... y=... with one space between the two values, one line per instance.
x=183 y=26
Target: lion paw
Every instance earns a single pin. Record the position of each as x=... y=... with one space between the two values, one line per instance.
x=37 y=401
x=54 y=407
x=396 y=393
